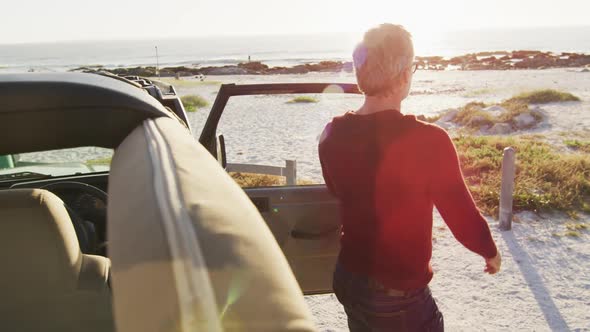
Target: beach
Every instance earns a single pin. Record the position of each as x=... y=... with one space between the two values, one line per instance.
x=269 y=130
x=544 y=284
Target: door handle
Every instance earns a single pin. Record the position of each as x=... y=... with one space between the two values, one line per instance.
x=261 y=203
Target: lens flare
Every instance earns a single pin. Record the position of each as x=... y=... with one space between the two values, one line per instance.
x=333 y=88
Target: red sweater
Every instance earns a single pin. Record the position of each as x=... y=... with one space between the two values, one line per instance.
x=388 y=170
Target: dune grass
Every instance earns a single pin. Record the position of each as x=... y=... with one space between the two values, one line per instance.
x=576 y=226
x=99 y=161
x=193 y=102
x=544 y=96
x=478 y=92
x=473 y=116
x=545 y=179
x=577 y=145
x=248 y=180
x=303 y=100
x=431 y=118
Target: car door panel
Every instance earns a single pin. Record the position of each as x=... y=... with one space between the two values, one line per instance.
x=303 y=219
x=306 y=224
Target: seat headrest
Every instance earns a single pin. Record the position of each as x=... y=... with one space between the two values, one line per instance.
x=40 y=250
x=189 y=249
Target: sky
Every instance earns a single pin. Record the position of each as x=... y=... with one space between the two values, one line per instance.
x=65 y=20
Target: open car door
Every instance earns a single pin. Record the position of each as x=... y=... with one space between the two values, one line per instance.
x=303 y=219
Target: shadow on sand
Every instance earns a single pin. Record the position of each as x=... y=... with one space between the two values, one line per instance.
x=531 y=275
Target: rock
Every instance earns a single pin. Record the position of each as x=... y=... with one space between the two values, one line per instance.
x=484 y=129
x=537 y=112
x=449 y=115
x=476 y=120
x=444 y=125
x=348 y=67
x=524 y=54
x=299 y=69
x=524 y=120
x=501 y=129
x=255 y=66
x=495 y=110
x=228 y=70
x=585 y=70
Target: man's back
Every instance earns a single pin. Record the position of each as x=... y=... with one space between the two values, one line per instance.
x=387 y=170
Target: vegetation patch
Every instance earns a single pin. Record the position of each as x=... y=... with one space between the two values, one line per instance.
x=303 y=100
x=431 y=119
x=545 y=179
x=478 y=92
x=193 y=102
x=473 y=116
x=99 y=161
x=515 y=113
x=573 y=234
x=576 y=226
x=578 y=145
x=544 y=96
x=248 y=180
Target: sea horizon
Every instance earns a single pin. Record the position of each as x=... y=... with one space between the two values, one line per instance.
x=273 y=50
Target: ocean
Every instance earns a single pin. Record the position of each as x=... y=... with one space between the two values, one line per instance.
x=274 y=50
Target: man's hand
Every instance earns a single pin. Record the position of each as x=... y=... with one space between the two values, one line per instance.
x=493 y=264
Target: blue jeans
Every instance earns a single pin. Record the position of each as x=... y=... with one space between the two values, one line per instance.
x=375 y=309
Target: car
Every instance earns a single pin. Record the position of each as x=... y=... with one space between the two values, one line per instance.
x=154 y=230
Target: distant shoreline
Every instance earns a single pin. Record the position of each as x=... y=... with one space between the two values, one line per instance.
x=495 y=60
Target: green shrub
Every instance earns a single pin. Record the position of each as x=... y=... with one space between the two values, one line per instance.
x=193 y=102
x=302 y=99
x=246 y=180
x=545 y=179
x=544 y=96
x=479 y=92
x=472 y=116
x=99 y=161
x=578 y=145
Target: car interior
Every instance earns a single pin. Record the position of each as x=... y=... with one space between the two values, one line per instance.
x=184 y=248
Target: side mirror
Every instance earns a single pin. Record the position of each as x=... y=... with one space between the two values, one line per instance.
x=220 y=155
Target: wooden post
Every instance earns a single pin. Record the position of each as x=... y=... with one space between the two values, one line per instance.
x=291 y=172
x=508 y=171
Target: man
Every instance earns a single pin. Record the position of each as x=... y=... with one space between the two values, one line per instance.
x=388 y=170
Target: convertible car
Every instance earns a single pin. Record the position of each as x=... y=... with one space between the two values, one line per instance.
x=114 y=217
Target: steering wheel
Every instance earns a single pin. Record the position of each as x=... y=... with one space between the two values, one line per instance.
x=86 y=230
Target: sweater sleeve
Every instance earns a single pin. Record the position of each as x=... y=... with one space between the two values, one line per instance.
x=454 y=201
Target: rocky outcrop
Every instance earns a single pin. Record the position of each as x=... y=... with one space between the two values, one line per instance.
x=499 y=119
x=500 y=60
x=524 y=120
x=500 y=129
x=449 y=115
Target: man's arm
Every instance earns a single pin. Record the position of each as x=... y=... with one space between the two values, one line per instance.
x=321 y=147
x=455 y=203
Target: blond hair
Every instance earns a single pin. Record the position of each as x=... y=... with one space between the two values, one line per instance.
x=384 y=53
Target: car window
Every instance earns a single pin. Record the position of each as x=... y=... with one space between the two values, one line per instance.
x=281 y=131
x=60 y=162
